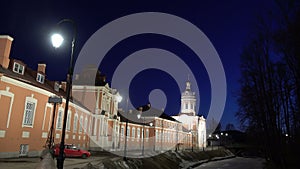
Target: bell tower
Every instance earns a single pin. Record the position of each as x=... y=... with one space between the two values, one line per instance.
x=188 y=100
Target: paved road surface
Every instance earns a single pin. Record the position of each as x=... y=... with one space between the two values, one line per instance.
x=234 y=163
x=31 y=163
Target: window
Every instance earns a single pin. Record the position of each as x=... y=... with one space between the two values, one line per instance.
x=56 y=86
x=69 y=120
x=75 y=123
x=59 y=118
x=80 y=123
x=85 y=124
x=133 y=132
x=40 y=78
x=90 y=126
x=95 y=126
x=107 y=106
x=29 y=113
x=18 y=68
x=186 y=106
x=147 y=133
x=122 y=131
x=24 y=149
x=128 y=132
x=138 y=133
x=105 y=127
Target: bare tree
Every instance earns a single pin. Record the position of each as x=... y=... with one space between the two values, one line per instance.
x=269 y=94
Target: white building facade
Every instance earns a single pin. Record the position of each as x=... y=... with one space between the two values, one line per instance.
x=189 y=119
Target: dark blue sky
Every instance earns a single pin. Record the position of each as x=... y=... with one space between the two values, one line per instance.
x=227 y=24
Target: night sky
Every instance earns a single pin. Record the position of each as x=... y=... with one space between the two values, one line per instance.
x=227 y=24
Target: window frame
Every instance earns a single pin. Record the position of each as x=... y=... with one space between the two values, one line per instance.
x=69 y=116
x=40 y=78
x=24 y=148
x=18 y=66
x=122 y=131
x=133 y=133
x=80 y=124
x=34 y=101
x=59 y=118
x=75 y=123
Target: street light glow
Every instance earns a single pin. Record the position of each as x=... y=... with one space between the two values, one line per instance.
x=57 y=40
x=119 y=99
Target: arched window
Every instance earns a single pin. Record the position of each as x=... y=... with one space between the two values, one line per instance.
x=69 y=120
x=75 y=123
x=59 y=118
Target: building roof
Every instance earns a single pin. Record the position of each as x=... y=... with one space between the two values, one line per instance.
x=29 y=77
x=151 y=113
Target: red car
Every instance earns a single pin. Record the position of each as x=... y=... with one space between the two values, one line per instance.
x=72 y=151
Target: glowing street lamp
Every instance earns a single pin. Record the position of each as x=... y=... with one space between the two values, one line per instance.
x=119 y=98
x=57 y=41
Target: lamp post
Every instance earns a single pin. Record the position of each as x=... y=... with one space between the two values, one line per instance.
x=221 y=139
x=226 y=134
x=151 y=125
x=211 y=142
x=218 y=139
x=143 y=148
x=54 y=100
x=203 y=141
x=57 y=40
x=192 y=141
x=126 y=133
x=143 y=130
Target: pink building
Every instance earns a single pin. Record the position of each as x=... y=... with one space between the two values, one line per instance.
x=93 y=120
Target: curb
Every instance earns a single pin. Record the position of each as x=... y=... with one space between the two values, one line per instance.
x=207 y=161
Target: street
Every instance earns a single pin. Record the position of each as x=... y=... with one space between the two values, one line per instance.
x=25 y=163
x=234 y=163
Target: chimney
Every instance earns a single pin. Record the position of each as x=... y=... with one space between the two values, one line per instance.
x=64 y=86
x=42 y=68
x=5 y=45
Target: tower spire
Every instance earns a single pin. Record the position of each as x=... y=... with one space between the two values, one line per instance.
x=188 y=84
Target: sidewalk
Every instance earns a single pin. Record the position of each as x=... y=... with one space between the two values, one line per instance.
x=47 y=161
x=20 y=160
x=198 y=163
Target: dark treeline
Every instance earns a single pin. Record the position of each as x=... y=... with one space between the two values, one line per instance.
x=269 y=97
